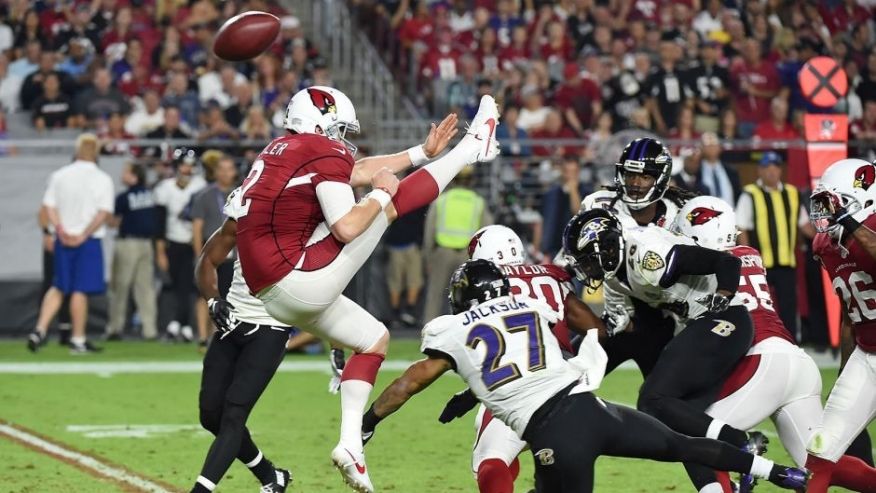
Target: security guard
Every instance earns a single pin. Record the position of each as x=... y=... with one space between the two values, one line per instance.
x=450 y=223
x=769 y=214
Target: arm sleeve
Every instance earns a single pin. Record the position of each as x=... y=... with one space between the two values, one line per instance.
x=695 y=260
x=744 y=212
x=336 y=199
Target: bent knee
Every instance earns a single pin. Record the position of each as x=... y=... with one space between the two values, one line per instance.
x=381 y=342
x=210 y=419
x=650 y=403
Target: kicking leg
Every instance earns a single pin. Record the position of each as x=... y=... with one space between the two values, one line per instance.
x=494 y=456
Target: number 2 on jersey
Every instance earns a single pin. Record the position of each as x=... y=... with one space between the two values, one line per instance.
x=254 y=173
x=493 y=374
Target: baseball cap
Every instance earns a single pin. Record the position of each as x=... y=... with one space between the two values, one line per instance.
x=770 y=158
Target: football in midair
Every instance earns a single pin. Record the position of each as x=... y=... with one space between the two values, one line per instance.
x=246 y=36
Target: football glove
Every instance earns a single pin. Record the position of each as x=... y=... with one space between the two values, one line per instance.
x=616 y=321
x=458 y=406
x=222 y=313
x=715 y=302
x=337 y=362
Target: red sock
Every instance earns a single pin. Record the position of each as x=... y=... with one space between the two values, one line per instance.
x=724 y=480
x=821 y=470
x=854 y=474
x=515 y=469
x=495 y=477
x=417 y=190
x=362 y=366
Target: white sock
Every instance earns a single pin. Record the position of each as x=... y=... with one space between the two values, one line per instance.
x=77 y=340
x=354 y=397
x=206 y=483
x=255 y=462
x=761 y=468
x=445 y=168
x=712 y=488
x=714 y=429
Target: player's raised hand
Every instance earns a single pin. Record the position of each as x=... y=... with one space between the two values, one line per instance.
x=385 y=180
x=440 y=135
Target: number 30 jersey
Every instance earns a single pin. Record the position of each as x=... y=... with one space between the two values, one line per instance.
x=851 y=275
x=546 y=283
x=505 y=352
x=754 y=293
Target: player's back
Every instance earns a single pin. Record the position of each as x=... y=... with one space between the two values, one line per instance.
x=754 y=293
x=504 y=351
x=548 y=284
x=280 y=212
x=851 y=275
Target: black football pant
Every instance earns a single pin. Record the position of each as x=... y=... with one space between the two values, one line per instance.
x=566 y=441
x=181 y=263
x=690 y=372
x=237 y=369
x=652 y=331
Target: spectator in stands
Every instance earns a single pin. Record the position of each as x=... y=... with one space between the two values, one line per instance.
x=219 y=86
x=721 y=181
x=78 y=60
x=461 y=18
x=173 y=253
x=488 y=54
x=684 y=131
x=28 y=63
x=267 y=79
x=754 y=83
x=554 y=128
x=777 y=127
x=114 y=41
x=169 y=47
x=33 y=84
x=534 y=113
x=171 y=128
x=867 y=88
x=80 y=26
x=147 y=116
x=579 y=99
x=599 y=147
x=136 y=218
x=462 y=92
x=708 y=20
x=441 y=61
x=214 y=125
x=78 y=200
x=728 y=125
x=99 y=100
x=555 y=50
x=243 y=99
x=510 y=134
x=10 y=86
x=516 y=53
x=559 y=203
x=179 y=95
x=27 y=32
x=665 y=92
x=133 y=57
x=626 y=91
x=198 y=50
x=52 y=109
x=255 y=126
x=865 y=129
x=708 y=82
x=207 y=217
x=689 y=177
x=504 y=20
x=114 y=136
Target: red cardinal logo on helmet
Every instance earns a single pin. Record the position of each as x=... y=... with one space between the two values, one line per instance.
x=865 y=176
x=702 y=215
x=323 y=101
x=474 y=243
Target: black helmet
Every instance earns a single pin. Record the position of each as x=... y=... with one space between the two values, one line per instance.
x=183 y=155
x=594 y=245
x=643 y=156
x=475 y=282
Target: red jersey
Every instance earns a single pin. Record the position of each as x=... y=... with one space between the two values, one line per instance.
x=547 y=283
x=755 y=295
x=764 y=77
x=281 y=212
x=852 y=277
x=767 y=131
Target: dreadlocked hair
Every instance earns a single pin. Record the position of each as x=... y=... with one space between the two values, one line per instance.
x=678 y=196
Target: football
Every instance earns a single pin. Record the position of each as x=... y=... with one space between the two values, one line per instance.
x=246 y=36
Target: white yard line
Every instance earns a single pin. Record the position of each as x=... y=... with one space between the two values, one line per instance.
x=82 y=461
x=111 y=368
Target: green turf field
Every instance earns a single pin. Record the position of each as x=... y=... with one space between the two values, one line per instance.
x=295 y=423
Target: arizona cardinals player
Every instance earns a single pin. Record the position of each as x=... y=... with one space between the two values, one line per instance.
x=494 y=455
x=843 y=206
x=302 y=236
x=776 y=379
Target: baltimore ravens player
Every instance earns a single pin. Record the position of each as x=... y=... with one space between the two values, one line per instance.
x=776 y=378
x=697 y=285
x=641 y=195
x=844 y=211
x=501 y=345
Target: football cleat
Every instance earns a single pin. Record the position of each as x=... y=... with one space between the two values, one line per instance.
x=84 y=348
x=352 y=467
x=284 y=479
x=789 y=478
x=756 y=445
x=34 y=341
x=480 y=135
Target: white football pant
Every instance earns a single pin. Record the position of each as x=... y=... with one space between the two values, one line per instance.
x=494 y=441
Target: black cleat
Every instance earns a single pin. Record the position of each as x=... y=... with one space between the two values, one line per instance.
x=35 y=340
x=789 y=478
x=756 y=445
x=284 y=479
x=84 y=348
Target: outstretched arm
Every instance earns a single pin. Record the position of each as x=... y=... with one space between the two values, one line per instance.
x=437 y=140
x=580 y=318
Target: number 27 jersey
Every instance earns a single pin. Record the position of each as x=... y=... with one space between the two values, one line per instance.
x=505 y=352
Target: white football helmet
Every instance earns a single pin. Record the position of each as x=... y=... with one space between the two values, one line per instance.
x=325 y=110
x=498 y=244
x=852 y=184
x=709 y=221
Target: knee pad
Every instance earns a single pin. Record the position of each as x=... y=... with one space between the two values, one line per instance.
x=211 y=419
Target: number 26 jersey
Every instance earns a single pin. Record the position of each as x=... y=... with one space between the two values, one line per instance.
x=505 y=352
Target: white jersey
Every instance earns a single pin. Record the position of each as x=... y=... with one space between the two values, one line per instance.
x=647 y=261
x=614 y=293
x=505 y=352
x=246 y=306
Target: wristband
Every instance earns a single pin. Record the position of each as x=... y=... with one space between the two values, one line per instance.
x=849 y=223
x=381 y=196
x=417 y=156
x=370 y=419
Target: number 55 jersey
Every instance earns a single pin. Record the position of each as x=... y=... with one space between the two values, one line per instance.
x=851 y=270
x=506 y=353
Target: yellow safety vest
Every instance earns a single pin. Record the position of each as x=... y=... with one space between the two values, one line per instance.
x=775 y=224
x=457 y=217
